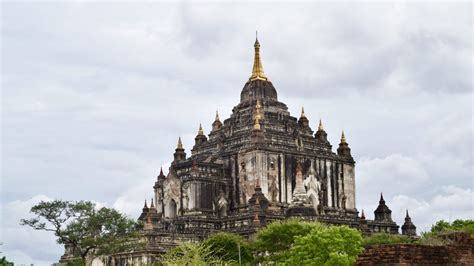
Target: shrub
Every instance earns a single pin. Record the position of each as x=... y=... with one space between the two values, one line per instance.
x=226 y=247
x=276 y=239
x=190 y=254
x=333 y=245
x=384 y=238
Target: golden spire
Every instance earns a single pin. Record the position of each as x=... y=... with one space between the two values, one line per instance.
x=343 y=137
x=257 y=71
x=320 y=127
x=217 y=115
x=200 y=131
x=180 y=144
x=302 y=112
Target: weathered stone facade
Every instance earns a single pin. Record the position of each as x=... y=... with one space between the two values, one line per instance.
x=260 y=164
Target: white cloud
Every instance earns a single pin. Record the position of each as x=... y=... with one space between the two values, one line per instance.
x=451 y=203
x=385 y=174
x=22 y=244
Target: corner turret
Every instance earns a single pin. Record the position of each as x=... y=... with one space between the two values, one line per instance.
x=344 y=150
x=303 y=121
x=179 y=154
x=382 y=213
x=200 y=138
x=322 y=137
x=408 y=228
x=217 y=124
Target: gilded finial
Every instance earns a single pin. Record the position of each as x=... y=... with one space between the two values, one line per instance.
x=343 y=137
x=320 y=127
x=200 y=131
x=302 y=112
x=180 y=144
x=217 y=115
x=257 y=70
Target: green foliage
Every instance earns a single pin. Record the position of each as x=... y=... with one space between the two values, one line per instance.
x=277 y=238
x=384 y=238
x=5 y=262
x=456 y=225
x=78 y=262
x=332 y=245
x=84 y=227
x=226 y=247
x=431 y=238
x=191 y=254
x=440 y=226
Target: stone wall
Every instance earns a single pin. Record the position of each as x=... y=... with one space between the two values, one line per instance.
x=459 y=251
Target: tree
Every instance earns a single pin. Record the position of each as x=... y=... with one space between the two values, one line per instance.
x=440 y=226
x=332 y=245
x=456 y=225
x=5 y=262
x=191 y=254
x=226 y=247
x=85 y=228
x=276 y=239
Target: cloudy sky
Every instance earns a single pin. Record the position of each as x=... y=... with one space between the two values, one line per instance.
x=94 y=96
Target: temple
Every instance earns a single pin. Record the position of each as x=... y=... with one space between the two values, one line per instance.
x=259 y=165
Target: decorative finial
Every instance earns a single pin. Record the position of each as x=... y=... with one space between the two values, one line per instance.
x=180 y=144
x=343 y=137
x=200 y=131
x=381 y=197
x=302 y=112
x=152 y=205
x=407 y=216
x=217 y=115
x=257 y=70
x=145 y=206
x=320 y=127
x=362 y=216
x=258 y=183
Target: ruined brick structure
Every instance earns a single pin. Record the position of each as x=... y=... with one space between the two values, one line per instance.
x=259 y=165
x=459 y=250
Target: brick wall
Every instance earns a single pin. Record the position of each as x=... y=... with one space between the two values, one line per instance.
x=460 y=251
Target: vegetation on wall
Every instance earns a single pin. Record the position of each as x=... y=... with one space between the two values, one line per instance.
x=384 y=238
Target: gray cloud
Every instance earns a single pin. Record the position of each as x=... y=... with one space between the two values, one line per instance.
x=94 y=96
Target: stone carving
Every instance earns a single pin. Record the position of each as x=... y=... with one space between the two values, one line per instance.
x=222 y=204
x=273 y=190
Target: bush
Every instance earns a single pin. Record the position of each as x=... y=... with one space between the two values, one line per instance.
x=457 y=225
x=384 y=238
x=275 y=240
x=226 y=247
x=333 y=245
x=431 y=238
x=190 y=254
